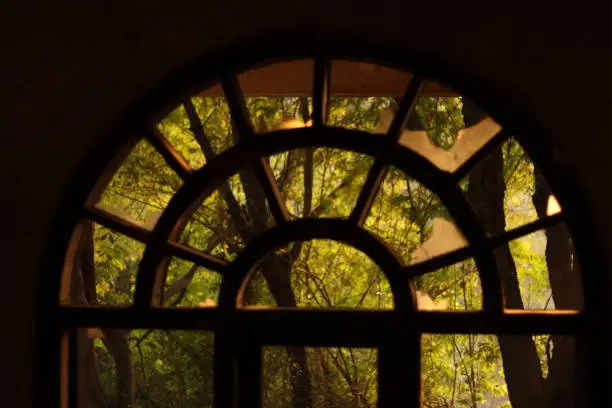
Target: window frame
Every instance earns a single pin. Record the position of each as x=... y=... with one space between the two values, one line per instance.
x=60 y=329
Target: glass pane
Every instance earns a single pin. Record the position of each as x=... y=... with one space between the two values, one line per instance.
x=288 y=78
x=319 y=273
x=144 y=368
x=229 y=217
x=361 y=92
x=509 y=173
x=547 y=271
x=337 y=177
x=439 y=134
x=116 y=261
x=455 y=287
x=327 y=377
x=440 y=117
x=411 y=220
x=188 y=284
x=360 y=113
x=288 y=170
x=437 y=115
x=214 y=123
x=177 y=128
x=279 y=113
x=355 y=78
x=471 y=371
x=103 y=269
x=141 y=188
x=279 y=95
x=444 y=128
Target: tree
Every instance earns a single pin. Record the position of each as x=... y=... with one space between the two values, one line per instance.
x=156 y=368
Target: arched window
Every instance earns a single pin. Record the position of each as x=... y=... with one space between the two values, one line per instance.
x=323 y=233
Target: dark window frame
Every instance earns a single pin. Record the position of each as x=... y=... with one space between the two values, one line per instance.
x=263 y=325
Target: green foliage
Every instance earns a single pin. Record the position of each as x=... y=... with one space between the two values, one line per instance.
x=173 y=369
x=116 y=259
x=204 y=285
x=340 y=377
x=331 y=274
x=465 y=370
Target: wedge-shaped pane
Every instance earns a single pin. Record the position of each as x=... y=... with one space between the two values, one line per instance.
x=338 y=178
x=190 y=285
x=279 y=113
x=119 y=367
x=319 y=273
x=438 y=112
x=362 y=92
x=178 y=128
x=469 y=370
x=455 y=287
x=547 y=271
x=368 y=114
x=441 y=117
x=213 y=127
x=229 y=217
x=446 y=130
x=519 y=208
x=288 y=171
x=292 y=78
x=335 y=377
x=446 y=150
x=279 y=95
x=411 y=220
x=331 y=190
x=526 y=194
x=141 y=188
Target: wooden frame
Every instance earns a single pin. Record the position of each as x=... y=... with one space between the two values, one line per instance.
x=340 y=325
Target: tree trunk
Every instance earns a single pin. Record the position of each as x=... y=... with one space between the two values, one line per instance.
x=89 y=390
x=114 y=340
x=117 y=345
x=522 y=369
x=564 y=275
x=275 y=269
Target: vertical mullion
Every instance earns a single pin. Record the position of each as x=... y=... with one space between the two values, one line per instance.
x=399 y=372
x=249 y=374
x=173 y=158
x=591 y=377
x=321 y=91
x=271 y=190
x=370 y=188
x=224 y=370
x=406 y=106
x=239 y=112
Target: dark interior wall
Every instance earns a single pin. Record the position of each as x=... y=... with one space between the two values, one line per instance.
x=69 y=71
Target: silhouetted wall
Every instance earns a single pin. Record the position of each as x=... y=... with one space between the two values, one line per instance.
x=68 y=71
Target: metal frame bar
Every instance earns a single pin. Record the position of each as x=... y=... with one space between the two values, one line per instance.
x=143 y=235
x=172 y=157
x=305 y=230
x=464 y=169
x=378 y=171
x=271 y=190
x=359 y=328
x=321 y=90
